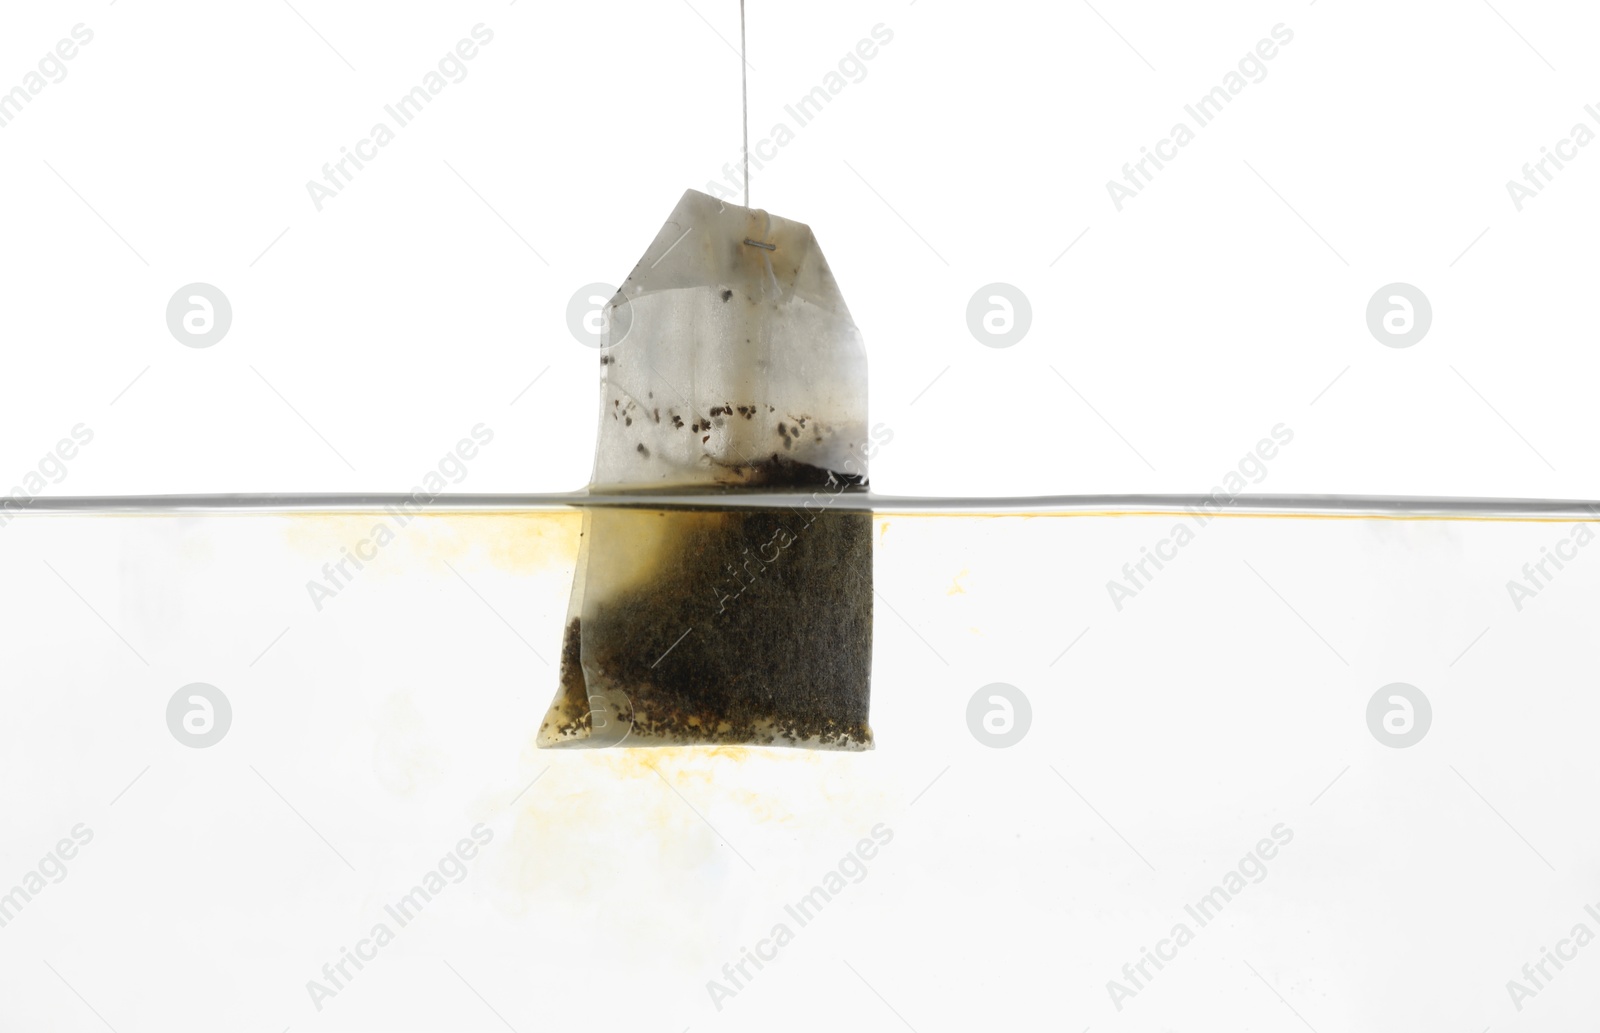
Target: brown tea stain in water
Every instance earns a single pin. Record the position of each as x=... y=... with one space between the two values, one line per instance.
x=516 y=543
x=513 y=542
x=601 y=826
x=319 y=535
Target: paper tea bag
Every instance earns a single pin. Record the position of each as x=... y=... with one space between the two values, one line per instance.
x=729 y=365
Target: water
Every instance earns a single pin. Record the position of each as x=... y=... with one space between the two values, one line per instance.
x=1040 y=505
x=1087 y=714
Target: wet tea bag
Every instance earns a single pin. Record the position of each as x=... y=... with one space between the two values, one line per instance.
x=730 y=365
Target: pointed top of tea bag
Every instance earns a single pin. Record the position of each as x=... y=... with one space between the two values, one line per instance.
x=730 y=358
x=706 y=239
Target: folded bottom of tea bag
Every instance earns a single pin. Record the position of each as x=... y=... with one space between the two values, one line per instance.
x=718 y=626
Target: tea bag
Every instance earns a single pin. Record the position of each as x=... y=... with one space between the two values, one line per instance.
x=730 y=365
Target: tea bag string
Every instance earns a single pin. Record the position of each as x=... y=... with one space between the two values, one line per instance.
x=744 y=89
x=744 y=98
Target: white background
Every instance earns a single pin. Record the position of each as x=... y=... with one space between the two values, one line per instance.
x=1192 y=321
x=1167 y=338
